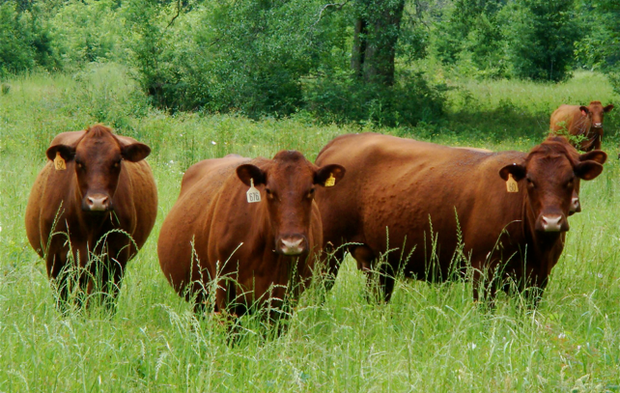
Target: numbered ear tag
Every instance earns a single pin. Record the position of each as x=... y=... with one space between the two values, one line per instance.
x=331 y=181
x=253 y=194
x=59 y=162
x=511 y=184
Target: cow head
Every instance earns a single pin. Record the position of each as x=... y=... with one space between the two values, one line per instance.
x=552 y=171
x=97 y=155
x=288 y=183
x=595 y=111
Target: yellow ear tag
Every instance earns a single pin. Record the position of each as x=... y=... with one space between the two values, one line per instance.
x=511 y=184
x=253 y=194
x=331 y=181
x=59 y=162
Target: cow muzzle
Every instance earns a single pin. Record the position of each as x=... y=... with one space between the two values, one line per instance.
x=575 y=206
x=96 y=203
x=552 y=223
x=291 y=245
x=597 y=125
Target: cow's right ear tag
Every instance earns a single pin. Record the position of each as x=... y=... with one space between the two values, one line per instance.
x=331 y=181
x=511 y=184
x=253 y=194
x=59 y=162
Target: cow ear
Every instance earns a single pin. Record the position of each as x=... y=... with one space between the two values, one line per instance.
x=588 y=170
x=329 y=175
x=584 y=110
x=608 y=108
x=248 y=172
x=516 y=170
x=594 y=155
x=131 y=149
x=135 y=152
x=65 y=143
x=65 y=151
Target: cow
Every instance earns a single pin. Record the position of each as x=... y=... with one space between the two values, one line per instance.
x=251 y=244
x=91 y=209
x=428 y=211
x=583 y=121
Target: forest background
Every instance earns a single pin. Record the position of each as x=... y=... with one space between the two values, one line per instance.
x=387 y=63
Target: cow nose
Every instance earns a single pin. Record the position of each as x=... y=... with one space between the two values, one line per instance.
x=97 y=203
x=575 y=206
x=292 y=245
x=597 y=125
x=552 y=222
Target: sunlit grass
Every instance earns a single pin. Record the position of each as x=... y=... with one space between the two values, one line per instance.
x=431 y=337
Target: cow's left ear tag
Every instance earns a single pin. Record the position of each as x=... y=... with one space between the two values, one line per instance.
x=511 y=184
x=331 y=181
x=253 y=194
x=59 y=162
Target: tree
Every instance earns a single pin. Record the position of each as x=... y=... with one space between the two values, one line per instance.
x=542 y=38
x=377 y=29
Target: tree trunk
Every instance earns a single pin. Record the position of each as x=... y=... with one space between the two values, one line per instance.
x=377 y=29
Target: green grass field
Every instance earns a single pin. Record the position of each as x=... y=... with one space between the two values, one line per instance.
x=430 y=338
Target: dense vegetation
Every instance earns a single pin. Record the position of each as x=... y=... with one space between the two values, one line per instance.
x=429 y=338
x=360 y=60
x=202 y=79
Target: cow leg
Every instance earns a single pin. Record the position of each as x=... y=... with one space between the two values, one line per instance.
x=380 y=287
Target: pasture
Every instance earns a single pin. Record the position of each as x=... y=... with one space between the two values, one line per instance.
x=429 y=338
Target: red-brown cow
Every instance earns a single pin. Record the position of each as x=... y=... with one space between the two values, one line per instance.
x=253 y=248
x=586 y=121
x=415 y=193
x=94 y=202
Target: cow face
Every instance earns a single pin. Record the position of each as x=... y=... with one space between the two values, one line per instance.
x=552 y=175
x=289 y=181
x=98 y=156
x=595 y=111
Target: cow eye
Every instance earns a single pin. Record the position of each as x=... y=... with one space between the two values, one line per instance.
x=530 y=183
x=117 y=164
x=269 y=193
x=569 y=184
x=79 y=164
x=310 y=194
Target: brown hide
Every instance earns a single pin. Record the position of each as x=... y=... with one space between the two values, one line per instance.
x=260 y=248
x=394 y=187
x=586 y=121
x=106 y=186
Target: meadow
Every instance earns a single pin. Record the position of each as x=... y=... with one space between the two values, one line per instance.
x=429 y=338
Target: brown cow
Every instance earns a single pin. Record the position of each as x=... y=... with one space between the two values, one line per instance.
x=416 y=193
x=251 y=251
x=97 y=192
x=586 y=121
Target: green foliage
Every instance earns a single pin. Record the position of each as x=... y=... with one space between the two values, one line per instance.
x=430 y=338
x=470 y=33
x=24 y=39
x=342 y=98
x=541 y=39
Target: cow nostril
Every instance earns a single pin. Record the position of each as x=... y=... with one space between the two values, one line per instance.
x=292 y=245
x=97 y=203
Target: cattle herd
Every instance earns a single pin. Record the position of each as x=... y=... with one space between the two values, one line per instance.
x=254 y=232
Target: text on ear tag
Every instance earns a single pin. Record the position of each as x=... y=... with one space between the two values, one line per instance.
x=253 y=194
x=511 y=184
x=59 y=162
x=331 y=181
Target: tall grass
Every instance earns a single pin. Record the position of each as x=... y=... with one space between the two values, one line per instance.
x=430 y=337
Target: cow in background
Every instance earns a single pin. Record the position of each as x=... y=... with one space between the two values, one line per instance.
x=93 y=203
x=241 y=245
x=584 y=121
x=428 y=210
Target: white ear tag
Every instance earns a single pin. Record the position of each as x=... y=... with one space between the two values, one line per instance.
x=511 y=184
x=253 y=194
